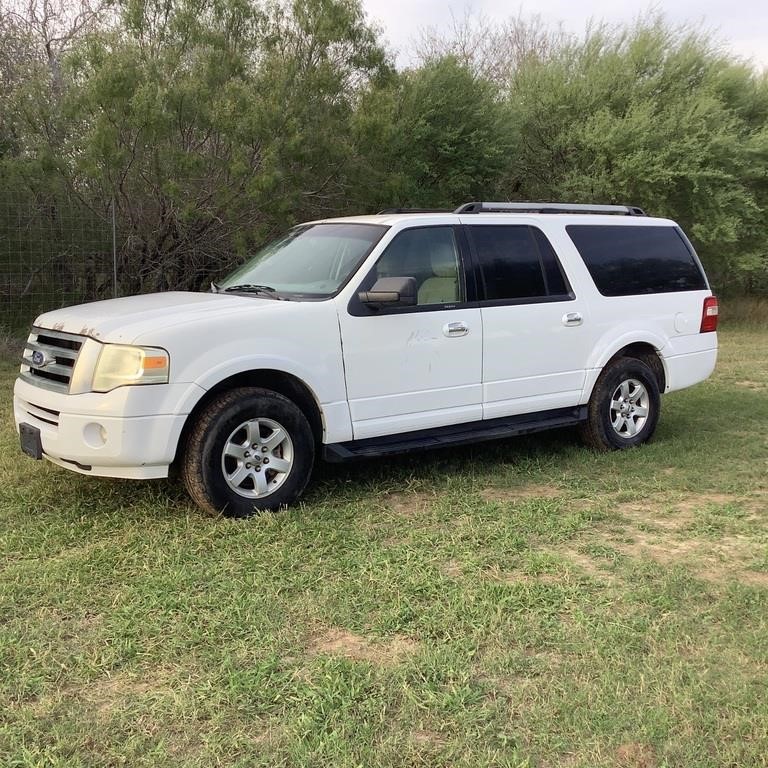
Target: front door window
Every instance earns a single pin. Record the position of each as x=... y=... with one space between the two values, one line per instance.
x=430 y=255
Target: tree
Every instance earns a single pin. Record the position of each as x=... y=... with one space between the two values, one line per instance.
x=214 y=122
x=652 y=116
x=434 y=137
x=491 y=50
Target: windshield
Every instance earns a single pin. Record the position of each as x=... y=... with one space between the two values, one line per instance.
x=312 y=261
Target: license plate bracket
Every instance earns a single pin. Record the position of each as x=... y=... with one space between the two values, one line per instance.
x=31 y=444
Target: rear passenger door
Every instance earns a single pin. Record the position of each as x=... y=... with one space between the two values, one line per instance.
x=536 y=335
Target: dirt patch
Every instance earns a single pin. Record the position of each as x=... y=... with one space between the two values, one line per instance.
x=747 y=384
x=726 y=558
x=669 y=513
x=701 y=500
x=633 y=754
x=757 y=503
x=339 y=642
x=585 y=563
x=408 y=504
x=662 y=528
x=452 y=569
x=427 y=739
x=753 y=578
x=520 y=493
x=716 y=561
x=655 y=515
x=110 y=694
x=662 y=551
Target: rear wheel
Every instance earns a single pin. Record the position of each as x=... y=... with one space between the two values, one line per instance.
x=249 y=450
x=624 y=408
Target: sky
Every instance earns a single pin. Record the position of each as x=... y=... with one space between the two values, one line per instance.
x=741 y=25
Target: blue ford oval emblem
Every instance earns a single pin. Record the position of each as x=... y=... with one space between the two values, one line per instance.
x=38 y=357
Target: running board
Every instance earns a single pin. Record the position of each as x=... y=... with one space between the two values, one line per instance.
x=458 y=434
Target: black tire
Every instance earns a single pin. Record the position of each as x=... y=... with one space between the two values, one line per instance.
x=598 y=431
x=231 y=420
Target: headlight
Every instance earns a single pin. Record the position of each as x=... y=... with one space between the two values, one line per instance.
x=119 y=365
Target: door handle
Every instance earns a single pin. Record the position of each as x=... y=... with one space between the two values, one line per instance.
x=451 y=330
x=572 y=318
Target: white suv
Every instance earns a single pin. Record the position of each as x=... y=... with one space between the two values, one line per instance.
x=369 y=335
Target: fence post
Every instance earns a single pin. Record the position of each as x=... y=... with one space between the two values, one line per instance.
x=114 y=250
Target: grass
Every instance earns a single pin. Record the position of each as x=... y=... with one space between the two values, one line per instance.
x=527 y=603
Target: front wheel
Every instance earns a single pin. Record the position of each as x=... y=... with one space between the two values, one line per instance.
x=249 y=450
x=624 y=408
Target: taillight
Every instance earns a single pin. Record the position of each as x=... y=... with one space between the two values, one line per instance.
x=709 y=315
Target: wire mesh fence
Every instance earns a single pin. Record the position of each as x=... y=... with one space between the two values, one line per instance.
x=54 y=252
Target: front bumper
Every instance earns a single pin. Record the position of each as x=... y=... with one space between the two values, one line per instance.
x=101 y=441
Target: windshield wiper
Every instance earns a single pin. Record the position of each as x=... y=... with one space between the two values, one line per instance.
x=266 y=290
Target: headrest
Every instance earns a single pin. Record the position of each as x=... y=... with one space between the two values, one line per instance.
x=443 y=260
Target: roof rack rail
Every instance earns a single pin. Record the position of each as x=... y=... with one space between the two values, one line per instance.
x=622 y=210
x=414 y=210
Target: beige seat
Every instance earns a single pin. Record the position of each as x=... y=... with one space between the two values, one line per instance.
x=443 y=286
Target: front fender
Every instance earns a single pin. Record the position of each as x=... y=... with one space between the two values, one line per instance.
x=228 y=368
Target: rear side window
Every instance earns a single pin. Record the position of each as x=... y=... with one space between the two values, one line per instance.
x=517 y=263
x=631 y=260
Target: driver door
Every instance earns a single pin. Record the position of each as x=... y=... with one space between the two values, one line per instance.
x=414 y=367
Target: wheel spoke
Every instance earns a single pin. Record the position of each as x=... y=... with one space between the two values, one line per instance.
x=624 y=388
x=631 y=427
x=237 y=477
x=280 y=465
x=618 y=422
x=640 y=411
x=234 y=450
x=615 y=405
x=260 y=482
x=252 y=431
x=278 y=436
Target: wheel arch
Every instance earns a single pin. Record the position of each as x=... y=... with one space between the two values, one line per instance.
x=286 y=384
x=645 y=347
x=647 y=353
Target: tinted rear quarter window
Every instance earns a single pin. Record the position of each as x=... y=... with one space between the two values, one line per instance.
x=632 y=260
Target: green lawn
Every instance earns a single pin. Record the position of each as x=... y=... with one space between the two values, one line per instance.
x=526 y=603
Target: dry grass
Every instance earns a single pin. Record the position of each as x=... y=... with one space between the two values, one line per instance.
x=506 y=494
x=340 y=643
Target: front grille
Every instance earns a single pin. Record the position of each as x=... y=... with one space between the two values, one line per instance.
x=50 y=357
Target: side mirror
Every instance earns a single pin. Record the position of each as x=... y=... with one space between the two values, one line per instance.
x=391 y=292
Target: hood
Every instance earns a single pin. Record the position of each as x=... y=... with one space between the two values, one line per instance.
x=124 y=320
